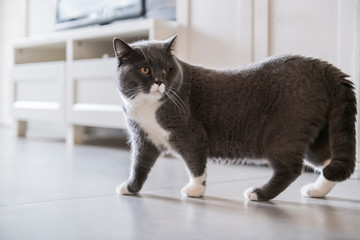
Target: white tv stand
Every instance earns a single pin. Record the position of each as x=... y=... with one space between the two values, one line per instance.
x=69 y=76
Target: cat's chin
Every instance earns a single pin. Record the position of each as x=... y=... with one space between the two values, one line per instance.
x=155 y=96
x=157 y=93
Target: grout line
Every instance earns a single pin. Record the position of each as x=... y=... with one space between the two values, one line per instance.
x=114 y=194
x=56 y=200
x=208 y=184
x=245 y=179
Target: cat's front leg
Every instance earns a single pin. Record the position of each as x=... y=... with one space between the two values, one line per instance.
x=144 y=155
x=196 y=186
x=196 y=164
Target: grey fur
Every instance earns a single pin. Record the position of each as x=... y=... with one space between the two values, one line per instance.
x=283 y=109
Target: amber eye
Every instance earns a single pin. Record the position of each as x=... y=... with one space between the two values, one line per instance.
x=165 y=71
x=145 y=70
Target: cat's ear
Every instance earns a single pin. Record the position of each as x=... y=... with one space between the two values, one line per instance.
x=169 y=43
x=122 y=49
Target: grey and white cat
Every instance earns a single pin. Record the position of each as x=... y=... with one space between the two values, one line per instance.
x=286 y=109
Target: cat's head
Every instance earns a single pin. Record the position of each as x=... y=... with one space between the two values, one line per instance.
x=147 y=67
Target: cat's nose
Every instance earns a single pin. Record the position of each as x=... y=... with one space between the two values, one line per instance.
x=158 y=82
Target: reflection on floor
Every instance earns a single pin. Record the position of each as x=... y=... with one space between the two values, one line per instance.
x=48 y=191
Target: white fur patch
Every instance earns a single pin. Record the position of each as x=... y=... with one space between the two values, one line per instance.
x=142 y=110
x=321 y=187
x=196 y=186
x=156 y=89
x=122 y=189
x=249 y=194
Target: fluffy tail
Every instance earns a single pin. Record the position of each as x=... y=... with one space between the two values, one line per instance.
x=342 y=129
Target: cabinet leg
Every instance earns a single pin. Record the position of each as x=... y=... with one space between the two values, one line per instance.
x=21 y=128
x=74 y=135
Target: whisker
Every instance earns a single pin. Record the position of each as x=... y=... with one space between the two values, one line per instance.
x=132 y=89
x=178 y=103
x=132 y=92
x=179 y=98
x=176 y=99
x=135 y=94
x=173 y=100
x=181 y=102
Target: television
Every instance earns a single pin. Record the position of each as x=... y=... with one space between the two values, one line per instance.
x=80 y=13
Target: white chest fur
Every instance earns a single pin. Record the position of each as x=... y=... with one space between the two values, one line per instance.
x=142 y=110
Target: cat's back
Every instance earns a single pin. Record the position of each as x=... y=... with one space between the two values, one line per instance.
x=285 y=73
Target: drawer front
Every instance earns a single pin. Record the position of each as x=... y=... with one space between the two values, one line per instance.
x=93 y=98
x=93 y=82
x=38 y=91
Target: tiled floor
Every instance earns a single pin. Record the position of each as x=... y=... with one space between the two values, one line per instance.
x=48 y=191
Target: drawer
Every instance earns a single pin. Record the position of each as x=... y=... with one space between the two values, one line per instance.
x=93 y=82
x=38 y=91
x=93 y=98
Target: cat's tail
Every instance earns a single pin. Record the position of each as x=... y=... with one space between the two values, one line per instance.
x=341 y=128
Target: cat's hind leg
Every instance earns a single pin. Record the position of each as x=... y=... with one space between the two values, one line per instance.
x=318 y=157
x=286 y=170
x=320 y=188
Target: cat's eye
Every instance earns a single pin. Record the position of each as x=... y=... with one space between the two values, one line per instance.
x=165 y=71
x=145 y=70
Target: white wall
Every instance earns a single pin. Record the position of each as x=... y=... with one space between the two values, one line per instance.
x=41 y=17
x=12 y=25
x=308 y=27
x=243 y=31
x=215 y=33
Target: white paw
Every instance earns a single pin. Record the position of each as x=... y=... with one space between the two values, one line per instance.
x=193 y=190
x=310 y=191
x=123 y=189
x=249 y=194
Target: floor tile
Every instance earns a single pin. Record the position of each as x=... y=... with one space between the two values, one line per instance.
x=48 y=191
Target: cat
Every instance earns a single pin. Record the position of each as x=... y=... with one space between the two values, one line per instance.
x=285 y=109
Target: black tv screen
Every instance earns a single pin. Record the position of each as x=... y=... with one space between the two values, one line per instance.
x=79 y=13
